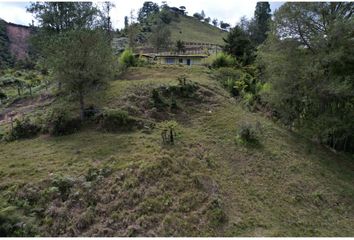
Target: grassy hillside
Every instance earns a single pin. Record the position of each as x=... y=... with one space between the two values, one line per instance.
x=190 y=29
x=94 y=183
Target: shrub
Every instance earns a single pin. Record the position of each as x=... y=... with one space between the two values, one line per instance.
x=215 y=213
x=168 y=131
x=229 y=78
x=94 y=174
x=90 y=112
x=157 y=100
x=249 y=101
x=247 y=133
x=22 y=130
x=60 y=123
x=141 y=62
x=127 y=59
x=239 y=82
x=186 y=87
x=64 y=185
x=3 y=96
x=12 y=226
x=173 y=104
x=223 y=60
x=113 y=120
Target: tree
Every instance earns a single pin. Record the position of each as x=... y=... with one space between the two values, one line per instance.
x=238 y=44
x=180 y=47
x=260 y=23
x=148 y=9
x=82 y=61
x=198 y=16
x=126 y=22
x=183 y=9
x=160 y=37
x=202 y=14
x=55 y=17
x=215 y=22
x=207 y=20
x=133 y=30
x=224 y=25
x=244 y=24
x=106 y=17
x=165 y=16
x=307 y=61
x=58 y=17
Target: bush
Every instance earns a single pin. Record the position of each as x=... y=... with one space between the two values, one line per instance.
x=185 y=88
x=63 y=184
x=239 y=82
x=229 y=78
x=247 y=133
x=90 y=112
x=215 y=213
x=22 y=130
x=12 y=226
x=223 y=60
x=113 y=120
x=127 y=59
x=59 y=123
x=157 y=99
x=168 y=131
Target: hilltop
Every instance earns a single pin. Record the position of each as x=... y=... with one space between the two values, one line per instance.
x=128 y=183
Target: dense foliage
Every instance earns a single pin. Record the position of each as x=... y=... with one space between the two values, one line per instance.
x=22 y=129
x=59 y=122
x=308 y=63
x=113 y=120
x=239 y=45
x=56 y=17
x=82 y=60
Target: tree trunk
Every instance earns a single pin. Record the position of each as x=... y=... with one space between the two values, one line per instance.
x=30 y=88
x=171 y=136
x=82 y=106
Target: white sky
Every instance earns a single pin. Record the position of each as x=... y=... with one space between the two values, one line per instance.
x=229 y=11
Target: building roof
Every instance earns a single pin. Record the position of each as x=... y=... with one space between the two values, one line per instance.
x=172 y=55
x=182 y=55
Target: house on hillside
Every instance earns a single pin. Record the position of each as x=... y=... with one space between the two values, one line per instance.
x=174 y=59
x=181 y=59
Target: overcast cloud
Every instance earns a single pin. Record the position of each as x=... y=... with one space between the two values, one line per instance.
x=229 y=11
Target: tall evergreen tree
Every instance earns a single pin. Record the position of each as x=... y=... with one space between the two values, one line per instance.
x=239 y=45
x=82 y=60
x=260 y=23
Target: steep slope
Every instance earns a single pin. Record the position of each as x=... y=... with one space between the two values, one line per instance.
x=129 y=184
x=189 y=29
x=16 y=38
